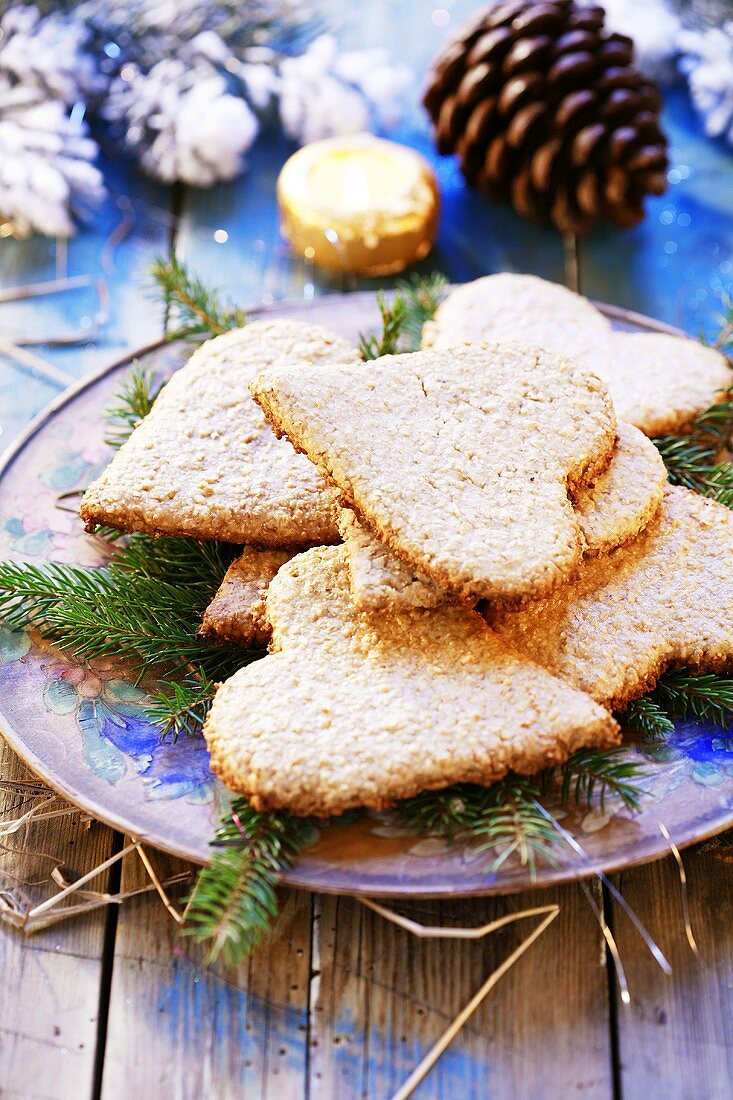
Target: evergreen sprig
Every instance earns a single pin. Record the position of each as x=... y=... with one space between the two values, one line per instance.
x=707 y=696
x=514 y=823
x=144 y=606
x=180 y=707
x=385 y=342
x=134 y=400
x=507 y=814
x=692 y=460
x=194 y=309
x=422 y=295
x=649 y=718
x=679 y=693
x=234 y=901
x=589 y=776
x=414 y=302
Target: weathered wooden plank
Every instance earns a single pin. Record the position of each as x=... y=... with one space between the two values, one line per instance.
x=50 y=982
x=674 y=1038
x=381 y=998
x=179 y=1029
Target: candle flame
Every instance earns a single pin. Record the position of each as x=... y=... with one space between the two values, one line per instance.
x=356 y=193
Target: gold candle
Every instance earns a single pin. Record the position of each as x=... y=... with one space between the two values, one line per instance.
x=359 y=204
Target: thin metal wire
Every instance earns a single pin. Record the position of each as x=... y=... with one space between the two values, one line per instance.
x=683 y=884
x=653 y=948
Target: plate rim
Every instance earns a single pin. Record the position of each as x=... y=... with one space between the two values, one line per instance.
x=568 y=873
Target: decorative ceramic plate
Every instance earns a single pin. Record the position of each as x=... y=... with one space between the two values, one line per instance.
x=83 y=730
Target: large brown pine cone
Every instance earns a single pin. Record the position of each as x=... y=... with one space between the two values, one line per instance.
x=545 y=110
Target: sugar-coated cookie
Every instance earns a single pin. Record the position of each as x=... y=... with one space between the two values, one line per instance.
x=461 y=461
x=658 y=382
x=516 y=307
x=664 y=599
x=237 y=611
x=615 y=509
x=205 y=464
x=358 y=710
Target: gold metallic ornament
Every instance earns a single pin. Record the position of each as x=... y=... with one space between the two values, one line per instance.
x=359 y=204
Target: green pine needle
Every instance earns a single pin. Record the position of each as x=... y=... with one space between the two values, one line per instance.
x=194 y=309
x=234 y=902
x=507 y=814
x=414 y=302
x=387 y=341
x=513 y=822
x=135 y=399
x=422 y=295
x=444 y=813
x=649 y=718
x=707 y=696
x=589 y=776
x=144 y=606
x=182 y=707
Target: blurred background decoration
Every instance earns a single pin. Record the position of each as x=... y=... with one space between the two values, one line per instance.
x=185 y=87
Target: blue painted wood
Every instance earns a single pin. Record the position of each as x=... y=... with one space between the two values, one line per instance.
x=134 y=318
x=674 y=266
x=678 y=263
x=475 y=238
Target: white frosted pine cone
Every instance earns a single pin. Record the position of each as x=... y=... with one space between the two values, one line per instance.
x=182 y=122
x=46 y=174
x=49 y=53
x=324 y=93
x=708 y=63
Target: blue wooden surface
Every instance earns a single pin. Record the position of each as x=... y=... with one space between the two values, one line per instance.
x=675 y=266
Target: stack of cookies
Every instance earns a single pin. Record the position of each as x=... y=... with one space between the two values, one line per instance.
x=513 y=563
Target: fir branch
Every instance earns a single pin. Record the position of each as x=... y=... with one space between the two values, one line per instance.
x=513 y=821
x=422 y=295
x=135 y=399
x=415 y=302
x=681 y=694
x=507 y=813
x=649 y=718
x=199 y=566
x=146 y=613
x=707 y=696
x=385 y=342
x=233 y=902
x=193 y=308
x=182 y=707
x=589 y=777
x=691 y=461
x=446 y=812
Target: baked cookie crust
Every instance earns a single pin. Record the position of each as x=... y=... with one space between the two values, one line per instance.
x=358 y=710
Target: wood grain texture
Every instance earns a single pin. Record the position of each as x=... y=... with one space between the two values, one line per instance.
x=50 y=981
x=675 y=1037
x=179 y=1029
x=381 y=998
x=375 y=1000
